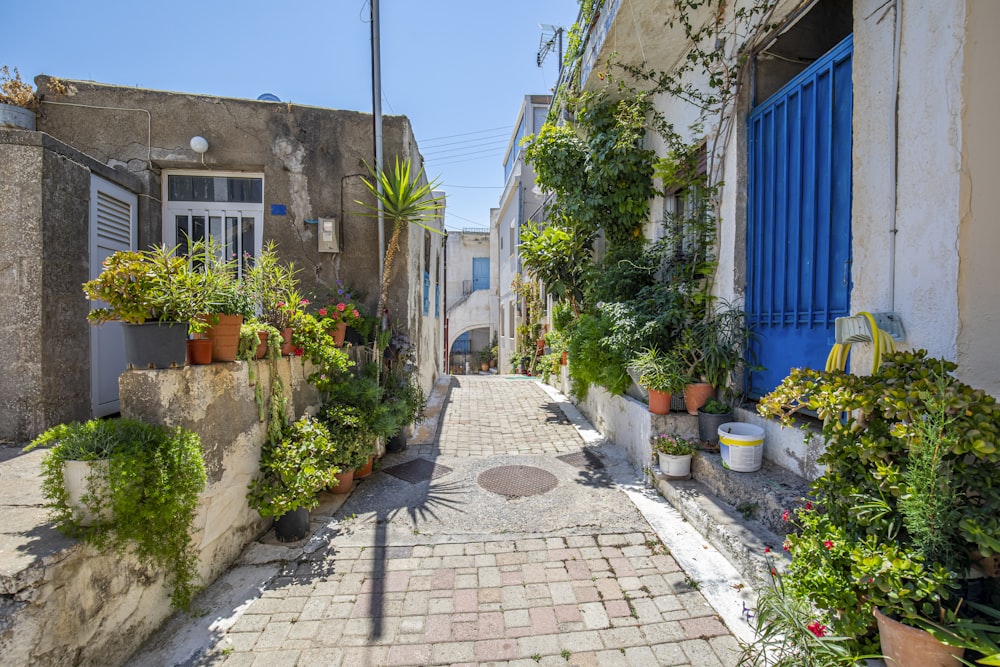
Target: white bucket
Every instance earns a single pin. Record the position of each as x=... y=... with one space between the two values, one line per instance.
x=742 y=446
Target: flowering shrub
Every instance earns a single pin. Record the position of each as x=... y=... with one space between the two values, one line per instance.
x=340 y=309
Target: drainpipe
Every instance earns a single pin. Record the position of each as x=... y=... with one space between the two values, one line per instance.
x=444 y=304
x=894 y=154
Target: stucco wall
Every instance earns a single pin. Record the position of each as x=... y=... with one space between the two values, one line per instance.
x=74 y=605
x=44 y=259
x=312 y=159
x=979 y=235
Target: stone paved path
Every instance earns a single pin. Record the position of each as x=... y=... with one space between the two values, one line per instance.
x=444 y=572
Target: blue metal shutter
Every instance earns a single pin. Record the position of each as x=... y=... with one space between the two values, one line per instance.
x=427 y=293
x=799 y=218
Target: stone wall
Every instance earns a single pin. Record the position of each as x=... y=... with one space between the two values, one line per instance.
x=68 y=604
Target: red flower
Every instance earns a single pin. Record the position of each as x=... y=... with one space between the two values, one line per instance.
x=322 y=312
x=787 y=546
x=817 y=628
x=809 y=506
x=281 y=304
x=828 y=544
x=767 y=550
x=341 y=307
x=299 y=352
x=784 y=517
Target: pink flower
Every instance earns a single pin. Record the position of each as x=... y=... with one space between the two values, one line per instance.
x=281 y=304
x=828 y=544
x=817 y=628
x=322 y=312
x=787 y=546
x=356 y=313
x=304 y=302
x=341 y=306
x=784 y=517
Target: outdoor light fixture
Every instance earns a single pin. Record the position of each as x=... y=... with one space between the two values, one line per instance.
x=199 y=145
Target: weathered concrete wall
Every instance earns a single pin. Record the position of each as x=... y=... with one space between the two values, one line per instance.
x=44 y=259
x=67 y=604
x=312 y=159
x=979 y=235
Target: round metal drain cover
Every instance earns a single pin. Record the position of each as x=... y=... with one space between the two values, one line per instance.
x=517 y=481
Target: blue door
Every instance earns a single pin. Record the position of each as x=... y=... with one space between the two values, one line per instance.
x=480 y=273
x=799 y=218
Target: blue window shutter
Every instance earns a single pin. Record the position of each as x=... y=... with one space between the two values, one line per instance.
x=427 y=293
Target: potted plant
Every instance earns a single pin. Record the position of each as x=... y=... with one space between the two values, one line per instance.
x=674 y=453
x=485 y=356
x=294 y=468
x=713 y=414
x=908 y=492
x=339 y=313
x=156 y=296
x=257 y=340
x=227 y=299
x=127 y=485
x=353 y=441
x=660 y=374
x=273 y=290
x=18 y=102
x=710 y=350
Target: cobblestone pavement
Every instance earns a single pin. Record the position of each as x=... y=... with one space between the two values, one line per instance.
x=444 y=572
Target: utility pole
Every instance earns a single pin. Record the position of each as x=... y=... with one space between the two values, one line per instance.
x=377 y=119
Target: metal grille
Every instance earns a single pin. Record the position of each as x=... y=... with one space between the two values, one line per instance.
x=417 y=470
x=517 y=481
x=583 y=459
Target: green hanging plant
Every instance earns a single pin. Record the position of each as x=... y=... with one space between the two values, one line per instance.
x=144 y=500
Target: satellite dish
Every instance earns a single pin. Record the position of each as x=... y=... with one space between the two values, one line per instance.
x=268 y=97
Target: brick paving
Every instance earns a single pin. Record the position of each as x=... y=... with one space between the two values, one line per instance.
x=583 y=590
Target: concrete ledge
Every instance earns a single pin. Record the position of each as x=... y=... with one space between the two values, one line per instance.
x=64 y=603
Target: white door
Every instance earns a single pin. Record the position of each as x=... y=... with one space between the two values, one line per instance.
x=112 y=227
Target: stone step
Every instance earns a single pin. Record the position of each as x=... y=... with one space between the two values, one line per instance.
x=739 y=513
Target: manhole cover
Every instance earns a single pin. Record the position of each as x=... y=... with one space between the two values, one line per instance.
x=417 y=470
x=583 y=459
x=517 y=481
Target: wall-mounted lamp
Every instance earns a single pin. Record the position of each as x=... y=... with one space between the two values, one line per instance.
x=199 y=145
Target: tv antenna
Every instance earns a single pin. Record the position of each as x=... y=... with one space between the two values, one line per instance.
x=551 y=37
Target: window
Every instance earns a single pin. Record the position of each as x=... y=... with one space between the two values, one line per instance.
x=226 y=209
x=513 y=236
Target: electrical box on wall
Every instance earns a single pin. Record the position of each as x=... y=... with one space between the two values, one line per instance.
x=329 y=240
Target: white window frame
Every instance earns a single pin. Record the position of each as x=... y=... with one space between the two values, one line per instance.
x=211 y=209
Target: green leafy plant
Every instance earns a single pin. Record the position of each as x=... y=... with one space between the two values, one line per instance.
x=146 y=285
x=145 y=500
x=715 y=407
x=558 y=256
x=272 y=287
x=404 y=200
x=673 y=445
x=250 y=339
x=294 y=468
x=658 y=371
x=909 y=491
x=312 y=336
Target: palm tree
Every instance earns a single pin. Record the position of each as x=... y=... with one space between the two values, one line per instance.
x=403 y=201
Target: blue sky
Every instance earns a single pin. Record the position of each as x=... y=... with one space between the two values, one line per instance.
x=457 y=68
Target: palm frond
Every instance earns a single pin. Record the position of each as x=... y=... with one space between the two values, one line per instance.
x=404 y=199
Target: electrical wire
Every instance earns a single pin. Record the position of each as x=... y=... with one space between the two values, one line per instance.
x=465 y=134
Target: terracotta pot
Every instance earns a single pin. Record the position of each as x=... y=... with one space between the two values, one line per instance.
x=345 y=482
x=484 y=367
x=199 y=351
x=366 y=469
x=905 y=646
x=696 y=395
x=659 y=402
x=339 y=334
x=286 y=345
x=225 y=336
x=261 y=350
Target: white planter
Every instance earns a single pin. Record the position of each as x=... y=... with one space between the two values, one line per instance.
x=675 y=466
x=741 y=446
x=75 y=476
